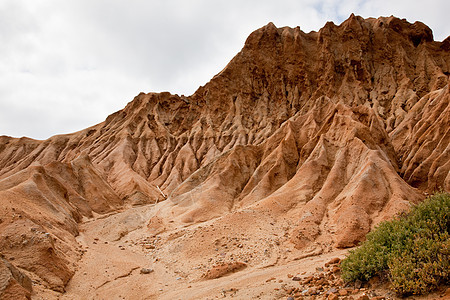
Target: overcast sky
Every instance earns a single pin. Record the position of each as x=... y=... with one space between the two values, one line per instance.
x=67 y=65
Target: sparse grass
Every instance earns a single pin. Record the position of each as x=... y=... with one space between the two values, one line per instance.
x=414 y=250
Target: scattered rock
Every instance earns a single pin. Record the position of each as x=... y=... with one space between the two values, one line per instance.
x=308 y=279
x=358 y=284
x=332 y=291
x=343 y=292
x=333 y=297
x=333 y=261
x=146 y=271
x=224 y=269
x=335 y=269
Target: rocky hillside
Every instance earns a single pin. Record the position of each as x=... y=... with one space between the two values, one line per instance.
x=305 y=140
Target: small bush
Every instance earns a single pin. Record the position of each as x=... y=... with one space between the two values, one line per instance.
x=414 y=250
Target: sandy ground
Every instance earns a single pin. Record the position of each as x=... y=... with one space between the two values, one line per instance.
x=113 y=259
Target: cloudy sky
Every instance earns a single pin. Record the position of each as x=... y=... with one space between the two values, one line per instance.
x=66 y=65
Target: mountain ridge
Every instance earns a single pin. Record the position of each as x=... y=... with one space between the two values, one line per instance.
x=324 y=133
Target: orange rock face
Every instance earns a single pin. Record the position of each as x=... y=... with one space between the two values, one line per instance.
x=323 y=134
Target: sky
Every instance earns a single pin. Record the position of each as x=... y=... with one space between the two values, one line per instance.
x=67 y=65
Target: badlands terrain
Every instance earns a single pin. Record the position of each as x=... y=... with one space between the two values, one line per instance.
x=259 y=180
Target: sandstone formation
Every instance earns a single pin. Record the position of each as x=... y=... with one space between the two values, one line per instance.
x=304 y=141
x=13 y=283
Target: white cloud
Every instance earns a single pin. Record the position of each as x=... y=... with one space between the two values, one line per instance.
x=66 y=65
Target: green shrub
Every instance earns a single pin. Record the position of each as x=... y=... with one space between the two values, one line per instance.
x=414 y=250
